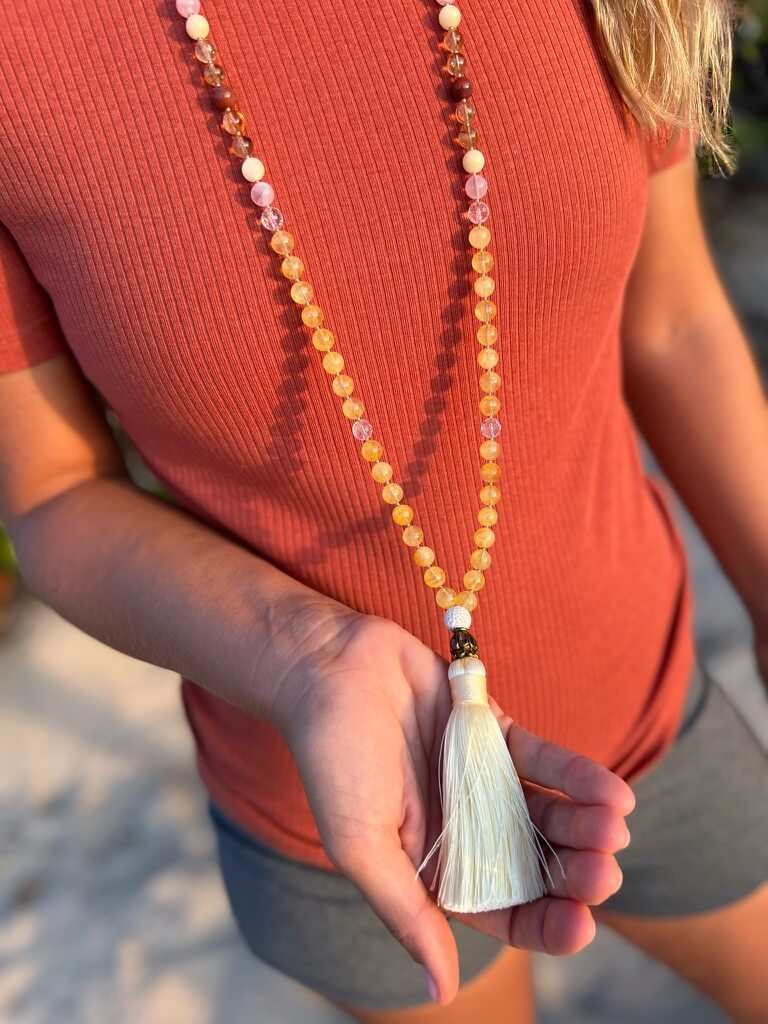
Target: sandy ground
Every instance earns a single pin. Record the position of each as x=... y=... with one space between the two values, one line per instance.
x=111 y=908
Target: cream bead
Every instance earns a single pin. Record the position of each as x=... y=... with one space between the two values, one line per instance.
x=473 y=161
x=449 y=16
x=197 y=27
x=253 y=169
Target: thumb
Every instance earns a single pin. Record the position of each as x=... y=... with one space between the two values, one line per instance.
x=383 y=872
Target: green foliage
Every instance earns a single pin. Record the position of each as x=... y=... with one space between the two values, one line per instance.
x=7 y=557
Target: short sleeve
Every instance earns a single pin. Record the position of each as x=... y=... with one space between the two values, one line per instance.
x=668 y=148
x=29 y=329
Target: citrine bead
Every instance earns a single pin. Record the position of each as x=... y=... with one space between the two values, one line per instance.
x=490 y=472
x=490 y=449
x=452 y=40
x=485 y=310
x=213 y=74
x=489 y=495
x=480 y=559
x=465 y=111
x=333 y=362
x=479 y=236
x=233 y=121
x=282 y=242
x=241 y=146
x=488 y=517
x=466 y=599
x=312 y=316
x=490 y=381
x=488 y=358
x=445 y=596
x=488 y=334
x=413 y=536
x=402 y=515
x=484 y=537
x=302 y=292
x=456 y=64
x=381 y=472
x=468 y=137
x=205 y=51
x=371 y=450
x=292 y=268
x=352 y=408
x=343 y=385
x=482 y=262
x=434 y=576
x=484 y=286
x=489 y=405
x=392 y=493
x=423 y=557
x=323 y=340
x=474 y=580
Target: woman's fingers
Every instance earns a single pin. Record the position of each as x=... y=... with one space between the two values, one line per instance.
x=587 y=876
x=581 y=826
x=548 y=764
x=551 y=925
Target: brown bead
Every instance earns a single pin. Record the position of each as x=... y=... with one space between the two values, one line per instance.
x=223 y=97
x=461 y=89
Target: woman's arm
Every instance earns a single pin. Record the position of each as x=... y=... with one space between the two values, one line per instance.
x=694 y=389
x=140 y=575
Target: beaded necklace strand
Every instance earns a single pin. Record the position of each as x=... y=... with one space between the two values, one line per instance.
x=460 y=889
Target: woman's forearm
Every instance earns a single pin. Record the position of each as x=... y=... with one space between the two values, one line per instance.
x=153 y=582
x=698 y=400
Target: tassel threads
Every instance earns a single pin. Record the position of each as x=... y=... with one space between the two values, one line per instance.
x=489 y=852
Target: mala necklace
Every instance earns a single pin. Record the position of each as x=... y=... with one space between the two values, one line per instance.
x=489 y=852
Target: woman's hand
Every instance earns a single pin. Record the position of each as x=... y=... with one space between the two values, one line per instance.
x=363 y=715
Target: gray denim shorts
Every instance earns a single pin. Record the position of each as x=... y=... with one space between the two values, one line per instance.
x=699 y=841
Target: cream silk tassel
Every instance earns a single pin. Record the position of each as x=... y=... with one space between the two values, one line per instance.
x=489 y=856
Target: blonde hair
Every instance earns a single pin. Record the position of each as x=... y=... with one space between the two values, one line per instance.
x=671 y=61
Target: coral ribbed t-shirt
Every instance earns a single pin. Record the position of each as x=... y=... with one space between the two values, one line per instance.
x=128 y=238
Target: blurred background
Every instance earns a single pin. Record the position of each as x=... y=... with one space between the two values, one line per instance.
x=111 y=906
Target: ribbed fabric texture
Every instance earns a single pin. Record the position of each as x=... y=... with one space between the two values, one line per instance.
x=129 y=237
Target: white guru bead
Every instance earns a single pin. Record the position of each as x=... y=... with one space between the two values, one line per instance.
x=457 y=617
x=449 y=16
x=197 y=27
x=253 y=169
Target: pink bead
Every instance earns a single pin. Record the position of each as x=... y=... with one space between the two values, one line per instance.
x=490 y=427
x=262 y=193
x=186 y=8
x=271 y=218
x=476 y=187
x=478 y=212
x=362 y=430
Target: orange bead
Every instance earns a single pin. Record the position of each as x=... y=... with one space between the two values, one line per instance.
x=434 y=576
x=490 y=381
x=474 y=580
x=292 y=268
x=490 y=471
x=466 y=599
x=490 y=449
x=423 y=556
x=333 y=362
x=489 y=405
x=371 y=450
x=445 y=597
x=488 y=358
x=301 y=292
x=482 y=262
x=487 y=517
x=480 y=559
x=402 y=514
x=381 y=472
x=392 y=493
x=488 y=334
x=343 y=385
x=484 y=537
x=312 y=316
x=413 y=536
x=484 y=286
x=485 y=310
x=490 y=494
x=322 y=339
x=479 y=236
x=281 y=242
x=352 y=408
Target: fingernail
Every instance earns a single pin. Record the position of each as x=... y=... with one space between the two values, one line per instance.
x=429 y=981
x=625 y=844
x=621 y=878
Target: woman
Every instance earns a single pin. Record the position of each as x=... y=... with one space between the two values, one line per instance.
x=136 y=269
